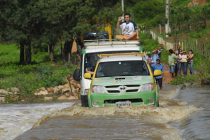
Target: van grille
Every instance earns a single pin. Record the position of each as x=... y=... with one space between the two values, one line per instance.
x=122 y=100
x=132 y=90
x=128 y=89
x=117 y=86
x=113 y=91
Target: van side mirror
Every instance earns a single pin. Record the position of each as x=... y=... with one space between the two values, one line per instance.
x=157 y=72
x=87 y=76
x=76 y=75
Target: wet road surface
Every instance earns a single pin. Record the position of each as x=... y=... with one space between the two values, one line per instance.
x=183 y=114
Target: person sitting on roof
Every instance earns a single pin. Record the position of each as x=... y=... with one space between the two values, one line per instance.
x=129 y=29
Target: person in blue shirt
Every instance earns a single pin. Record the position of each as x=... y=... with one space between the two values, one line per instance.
x=158 y=66
x=148 y=57
x=155 y=56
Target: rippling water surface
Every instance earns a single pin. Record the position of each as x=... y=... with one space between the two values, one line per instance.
x=183 y=114
x=197 y=125
x=15 y=119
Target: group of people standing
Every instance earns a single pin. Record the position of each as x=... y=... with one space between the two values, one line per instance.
x=178 y=61
x=154 y=62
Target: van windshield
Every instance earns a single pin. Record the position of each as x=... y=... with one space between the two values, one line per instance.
x=91 y=59
x=122 y=68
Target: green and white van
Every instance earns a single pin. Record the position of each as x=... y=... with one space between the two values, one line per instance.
x=122 y=80
x=89 y=58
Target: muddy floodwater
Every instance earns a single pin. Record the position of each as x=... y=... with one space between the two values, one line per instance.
x=183 y=114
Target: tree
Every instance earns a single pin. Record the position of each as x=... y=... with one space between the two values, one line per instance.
x=51 y=21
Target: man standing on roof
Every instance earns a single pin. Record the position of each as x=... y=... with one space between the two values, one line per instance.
x=129 y=29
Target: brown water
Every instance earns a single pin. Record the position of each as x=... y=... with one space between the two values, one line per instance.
x=181 y=113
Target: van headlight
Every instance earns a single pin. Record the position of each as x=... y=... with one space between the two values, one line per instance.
x=98 y=89
x=147 y=87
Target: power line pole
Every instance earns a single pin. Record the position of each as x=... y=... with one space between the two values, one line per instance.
x=167 y=19
x=123 y=9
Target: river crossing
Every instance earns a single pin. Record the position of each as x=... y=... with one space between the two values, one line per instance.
x=183 y=114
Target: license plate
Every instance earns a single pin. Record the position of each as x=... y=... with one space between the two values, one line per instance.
x=123 y=104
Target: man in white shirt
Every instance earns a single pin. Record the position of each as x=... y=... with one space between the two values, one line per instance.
x=129 y=29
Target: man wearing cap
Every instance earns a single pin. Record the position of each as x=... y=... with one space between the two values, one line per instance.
x=149 y=58
x=158 y=66
x=155 y=55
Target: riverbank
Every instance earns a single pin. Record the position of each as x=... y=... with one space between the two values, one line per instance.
x=66 y=92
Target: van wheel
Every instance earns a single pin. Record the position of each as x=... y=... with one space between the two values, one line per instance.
x=84 y=104
x=84 y=101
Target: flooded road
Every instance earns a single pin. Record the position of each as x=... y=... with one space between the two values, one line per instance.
x=15 y=119
x=197 y=125
x=183 y=114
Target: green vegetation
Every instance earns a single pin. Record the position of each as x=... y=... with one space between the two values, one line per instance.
x=201 y=63
x=150 y=45
x=31 y=23
x=202 y=66
x=28 y=78
x=33 y=27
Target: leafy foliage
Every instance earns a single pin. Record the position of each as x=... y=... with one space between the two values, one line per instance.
x=28 y=78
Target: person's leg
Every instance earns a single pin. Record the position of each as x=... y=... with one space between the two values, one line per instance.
x=189 y=65
x=182 y=65
x=185 y=68
x=176 y=69
x=160 y=81
x=131 y=36
x=119 y=37
x=172 y=70
x=180 y=68
x=192 y=68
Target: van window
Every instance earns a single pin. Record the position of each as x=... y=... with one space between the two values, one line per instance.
x=90 y=59
x=122 y=68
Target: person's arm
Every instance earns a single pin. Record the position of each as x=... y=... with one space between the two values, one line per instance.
x=191 y=56
x=162 y=68
x=118 y=22
x=176 y=58
x=168 y=60
x=87 y=71
x=137 y=34
x=136 y=30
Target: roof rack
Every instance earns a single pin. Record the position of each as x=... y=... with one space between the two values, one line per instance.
x=122 y=54
x=105 y=42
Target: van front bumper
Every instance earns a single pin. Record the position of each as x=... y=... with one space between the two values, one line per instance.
x=139 y=98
